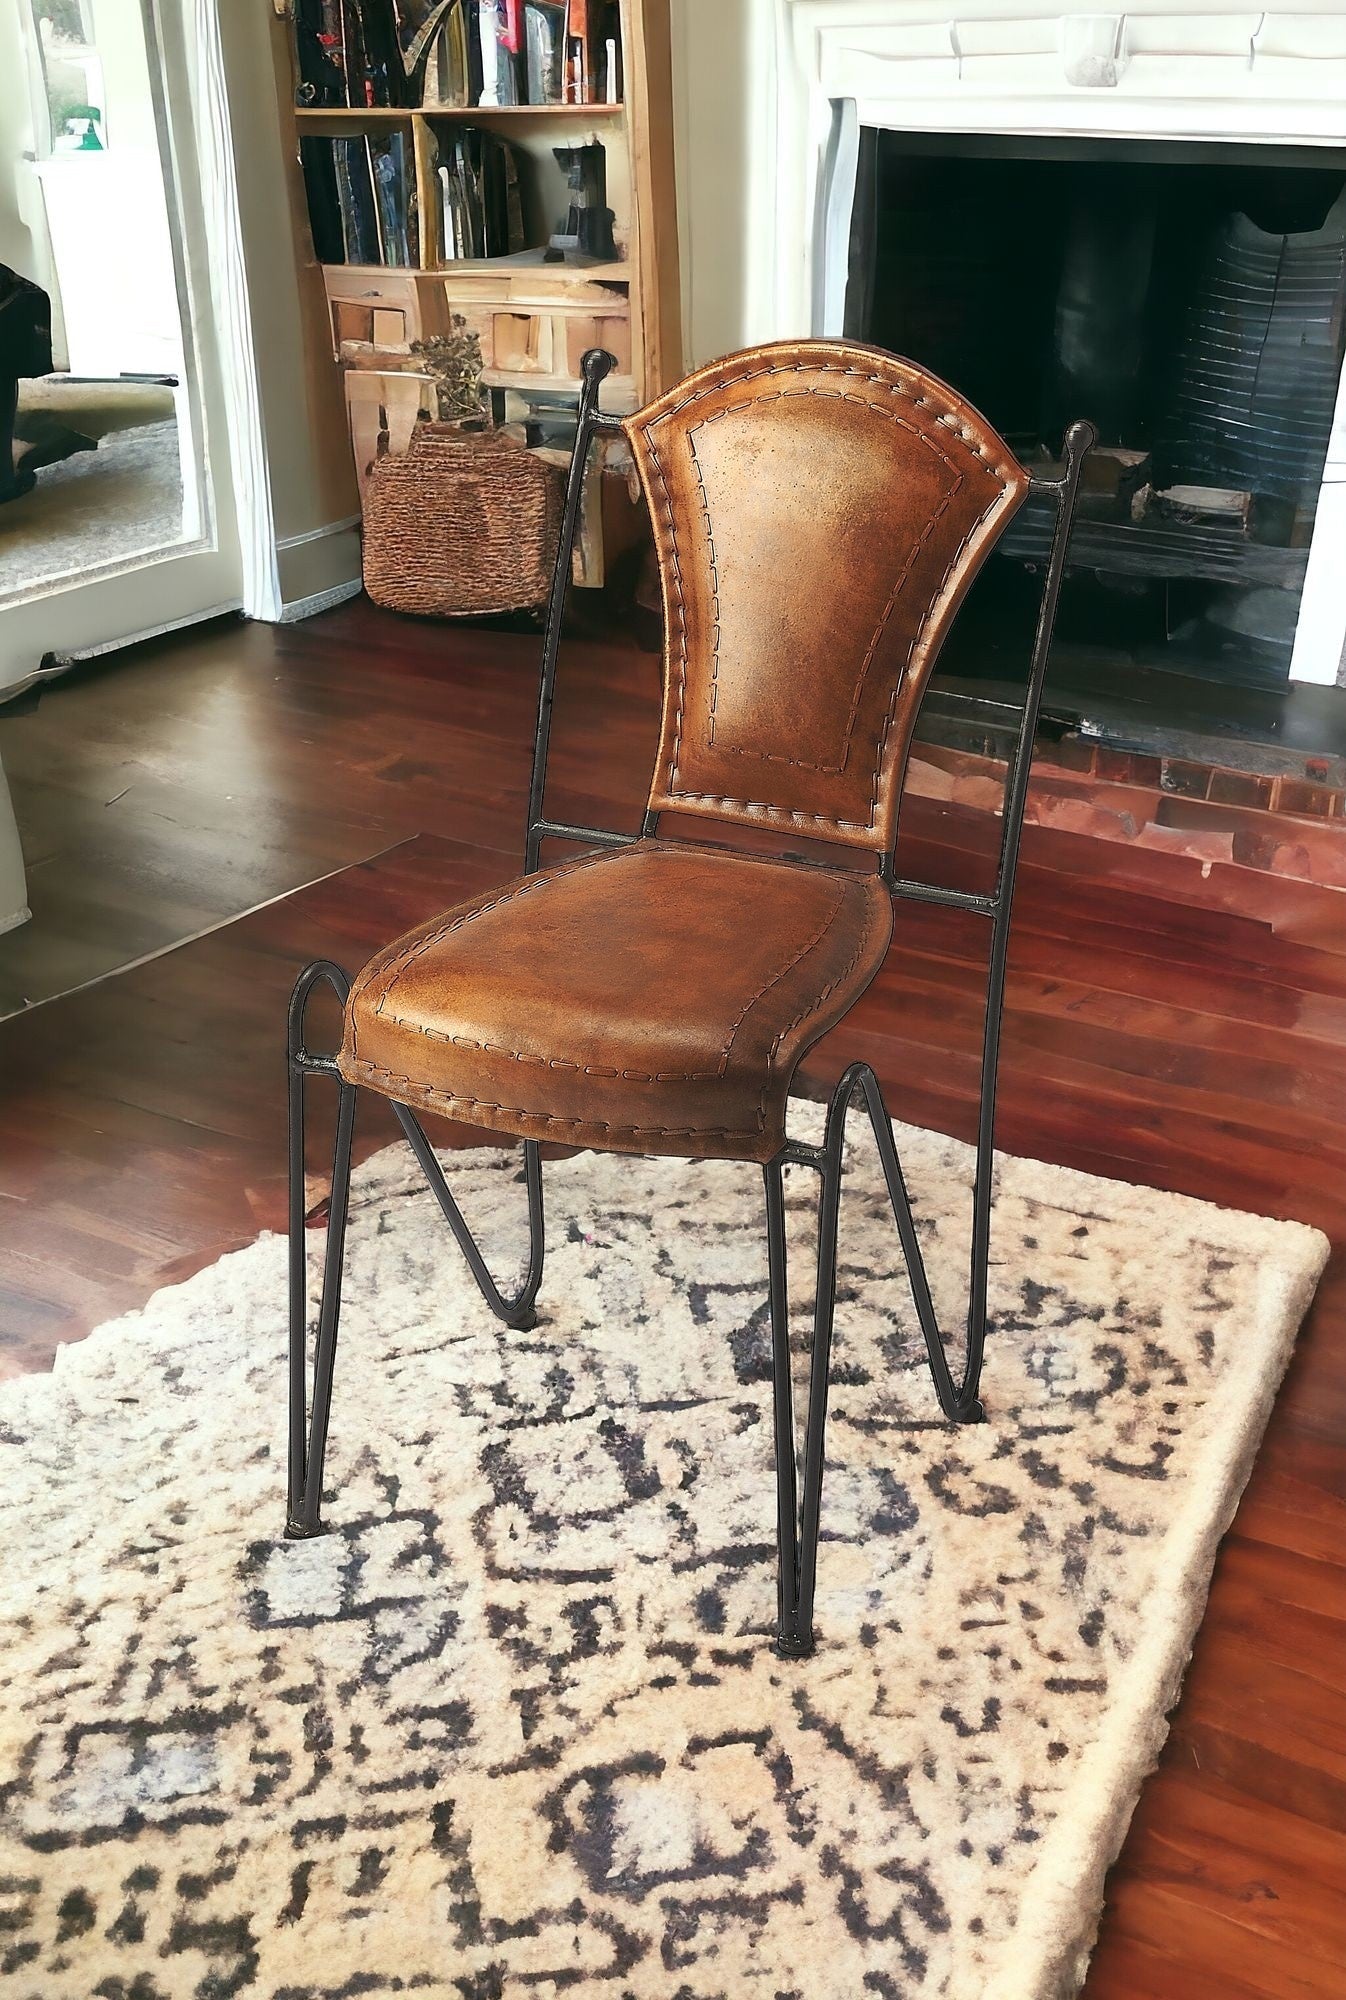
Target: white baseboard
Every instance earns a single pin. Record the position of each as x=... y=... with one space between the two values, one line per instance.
x=57 y=664
x=321 y=600
x=318 y=568
x=316 y=534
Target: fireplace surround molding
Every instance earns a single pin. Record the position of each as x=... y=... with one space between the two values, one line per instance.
x=1205 y=73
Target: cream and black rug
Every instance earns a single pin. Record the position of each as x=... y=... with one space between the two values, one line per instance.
x=513 y=1728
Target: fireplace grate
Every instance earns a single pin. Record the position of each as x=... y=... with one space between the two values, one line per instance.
x=1172 y=549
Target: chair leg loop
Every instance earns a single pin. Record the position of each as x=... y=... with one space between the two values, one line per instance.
x=310 y=1418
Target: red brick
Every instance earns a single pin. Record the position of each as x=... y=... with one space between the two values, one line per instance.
x=1129 y=800
x=1081 y=815
x=1294 y=795
x=1313 y=854
x=1191 y=841
x=1071 y=753
x=962 y=763
x=977 y=790
x=1293 y=858
x=1240 y=788
x=1207 y=816
x=1256 y=847
x=926 y=779
x=1191 y=781
x=1128 y=767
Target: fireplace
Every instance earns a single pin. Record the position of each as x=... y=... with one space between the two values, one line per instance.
x=1102 y=142
x=1191 y=300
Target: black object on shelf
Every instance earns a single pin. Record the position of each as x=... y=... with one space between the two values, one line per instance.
x=588 y=223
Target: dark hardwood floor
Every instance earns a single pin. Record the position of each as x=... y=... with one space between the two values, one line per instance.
x=1168 y=1022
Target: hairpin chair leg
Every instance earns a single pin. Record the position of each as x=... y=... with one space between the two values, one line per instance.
x=517 y=1312
x=308 y=1426
x=787 y=1477
x=308 y=1439
x=799 y=1500
x=798 y=1506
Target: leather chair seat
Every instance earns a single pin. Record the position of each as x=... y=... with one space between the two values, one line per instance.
x=644 y=999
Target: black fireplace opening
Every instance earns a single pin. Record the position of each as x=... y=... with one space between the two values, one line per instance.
x=1191 y=301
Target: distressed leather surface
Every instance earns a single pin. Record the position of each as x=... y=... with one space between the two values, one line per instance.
x=820 y=509
x=649 y=999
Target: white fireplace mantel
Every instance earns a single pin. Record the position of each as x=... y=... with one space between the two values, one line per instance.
x=1204 y=71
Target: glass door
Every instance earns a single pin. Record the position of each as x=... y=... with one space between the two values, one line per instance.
x=118 y=518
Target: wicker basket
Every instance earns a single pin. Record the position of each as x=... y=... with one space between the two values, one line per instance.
x=463 y=523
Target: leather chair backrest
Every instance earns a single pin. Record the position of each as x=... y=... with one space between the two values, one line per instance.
x=820 y=509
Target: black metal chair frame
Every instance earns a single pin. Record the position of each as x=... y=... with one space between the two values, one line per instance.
x=799 y=1476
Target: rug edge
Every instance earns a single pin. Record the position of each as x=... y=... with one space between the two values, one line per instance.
x=1052 y=1953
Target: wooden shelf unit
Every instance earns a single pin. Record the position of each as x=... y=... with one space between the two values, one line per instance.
x=471 y=114
x=534 y=318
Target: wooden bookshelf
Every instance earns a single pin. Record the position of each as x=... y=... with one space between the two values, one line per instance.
x=472 y=114
x=534 y=318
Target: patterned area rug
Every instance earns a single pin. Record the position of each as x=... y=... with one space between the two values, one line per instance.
x=513 y=1728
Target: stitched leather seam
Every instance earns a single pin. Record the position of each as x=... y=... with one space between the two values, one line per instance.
x=813 y=1007
x=628 y=1075
x=950 y=421
x=714 y=583
x=826 y=819
x=889 y=416
x=820 y=365
x=918 y=639
x=392 y=973
x=447 y=1099
x=675 y=579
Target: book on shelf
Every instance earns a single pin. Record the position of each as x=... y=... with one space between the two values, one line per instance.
x=452 y=75
x=591 y=69
x=361 y=198
x=456 y=54
x=394 y=195
x=544 y=37
x=500 y=40
x=351 y=53
x=479 y=192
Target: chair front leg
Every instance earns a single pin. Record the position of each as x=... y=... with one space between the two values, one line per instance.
x=799 y=1504
x=308 y=1429
x=309 y=1420
x=799 y=1498
x=787 y=1488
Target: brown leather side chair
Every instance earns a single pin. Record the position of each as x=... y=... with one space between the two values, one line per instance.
x=820 y=510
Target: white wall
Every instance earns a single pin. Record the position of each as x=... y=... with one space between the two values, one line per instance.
x=724 y=77
x=23 y=233
x=312 y=479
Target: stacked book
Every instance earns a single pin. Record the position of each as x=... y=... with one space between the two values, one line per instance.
x=355 y=54
x=479 y=188
x=361 y=198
